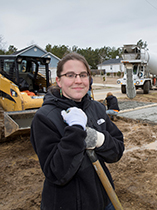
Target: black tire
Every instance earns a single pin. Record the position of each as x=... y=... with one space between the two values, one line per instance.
x=123 y=89
x=146 y=87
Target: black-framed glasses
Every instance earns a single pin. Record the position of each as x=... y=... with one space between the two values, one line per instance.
x=72 y=75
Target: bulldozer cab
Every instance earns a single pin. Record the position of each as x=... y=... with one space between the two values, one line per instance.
x=24 y=72
x=24 y=80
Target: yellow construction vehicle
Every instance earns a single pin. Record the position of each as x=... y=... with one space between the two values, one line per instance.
x=22 y=88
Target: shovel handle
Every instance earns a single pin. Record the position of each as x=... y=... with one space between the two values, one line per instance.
x=104 y=180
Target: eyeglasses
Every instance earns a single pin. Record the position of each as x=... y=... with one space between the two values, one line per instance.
x=72 y=75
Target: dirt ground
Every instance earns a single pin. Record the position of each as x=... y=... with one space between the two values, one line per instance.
x=135 y=175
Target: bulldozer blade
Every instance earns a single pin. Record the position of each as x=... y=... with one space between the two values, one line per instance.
x=18 y=122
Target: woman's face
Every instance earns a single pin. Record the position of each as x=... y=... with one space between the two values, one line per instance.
x=73 y=88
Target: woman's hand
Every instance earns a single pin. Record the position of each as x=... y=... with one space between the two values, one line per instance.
x=94 y=138
x=74 y=116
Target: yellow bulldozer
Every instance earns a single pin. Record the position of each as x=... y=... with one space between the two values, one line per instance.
x=22 y=88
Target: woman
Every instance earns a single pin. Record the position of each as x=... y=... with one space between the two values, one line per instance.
x=112 y=104
x=67 y=124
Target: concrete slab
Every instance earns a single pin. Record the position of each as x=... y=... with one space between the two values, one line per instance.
x=144 y=113
x=129 y=109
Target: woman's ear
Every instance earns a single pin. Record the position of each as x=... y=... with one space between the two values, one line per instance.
x=58 y=81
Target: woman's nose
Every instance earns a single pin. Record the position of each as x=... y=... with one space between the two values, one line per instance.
x=78 y=78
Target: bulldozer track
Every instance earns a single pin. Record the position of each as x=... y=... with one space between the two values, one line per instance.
x=1 y=123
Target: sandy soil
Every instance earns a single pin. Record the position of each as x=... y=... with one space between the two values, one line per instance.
x=135 y=175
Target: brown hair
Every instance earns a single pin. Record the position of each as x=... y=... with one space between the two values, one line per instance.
x=109 y=94
x=71 y=56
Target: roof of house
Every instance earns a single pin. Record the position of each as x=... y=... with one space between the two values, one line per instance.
x=50 y=54
x=111 y=61
x=27 y=49
x=32 y=49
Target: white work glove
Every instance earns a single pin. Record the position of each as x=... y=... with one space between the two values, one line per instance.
x=74 y=116
x=94 y=138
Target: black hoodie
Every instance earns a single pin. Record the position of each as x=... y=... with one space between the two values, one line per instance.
x=112 y=103
x=71 y=182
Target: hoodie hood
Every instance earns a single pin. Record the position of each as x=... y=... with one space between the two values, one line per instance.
x=110 y=97
x=112 y=103
x=53 y=98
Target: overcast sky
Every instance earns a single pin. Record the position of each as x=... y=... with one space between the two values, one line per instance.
x=84 y=23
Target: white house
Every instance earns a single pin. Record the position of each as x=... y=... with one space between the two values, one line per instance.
x=112 y=66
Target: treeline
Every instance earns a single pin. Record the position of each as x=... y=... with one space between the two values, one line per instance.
x=93 y=56
x=10 y=50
